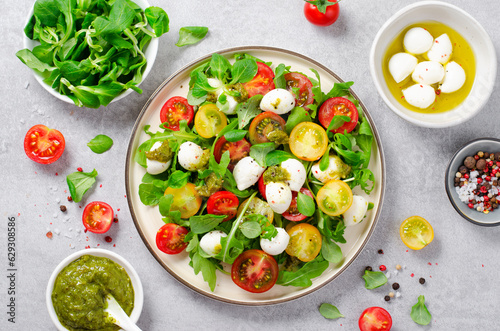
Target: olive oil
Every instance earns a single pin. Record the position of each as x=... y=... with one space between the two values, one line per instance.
x=462 y=54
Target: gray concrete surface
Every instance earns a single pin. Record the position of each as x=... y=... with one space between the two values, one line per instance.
x=460 y=266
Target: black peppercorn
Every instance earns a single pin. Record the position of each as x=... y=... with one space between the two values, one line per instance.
x=463 y=170
x=63 y=208
x=369 y=268
x=387 y=298
x=380 y=251
x=395 y=286
x=421 y=280
x=470 y=162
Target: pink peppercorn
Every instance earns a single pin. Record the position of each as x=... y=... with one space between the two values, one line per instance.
x=382 y=267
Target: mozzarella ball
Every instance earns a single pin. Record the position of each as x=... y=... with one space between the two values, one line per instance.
x=279 y=101
x=247 y=172
x=420 y=95
x=214 y=82
x=355 y=214
x=337 y=169
x=428 y=72
x=210 y=242
x=417 y=41
x=401 y=65
x=228 y=108
x=279 y=196
x=454 y=78
x=156 y=167
x=191 y=156
x=441 y=49
x=276 y=245
x=297 y=173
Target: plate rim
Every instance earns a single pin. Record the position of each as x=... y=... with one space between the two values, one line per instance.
x=135 y=131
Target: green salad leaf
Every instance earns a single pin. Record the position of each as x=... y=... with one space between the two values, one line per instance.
x=302 y=277
x=248 y=110
x=305 y=204
x=205 y=223
x=79 y=183
x=100 y=144
x=330 y=311
x=260 y=151
x=374 y=279
x=419 y=312
x=297 y=115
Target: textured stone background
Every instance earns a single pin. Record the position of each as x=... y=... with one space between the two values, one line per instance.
x=460 y=266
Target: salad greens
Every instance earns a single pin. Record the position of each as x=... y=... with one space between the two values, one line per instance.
x=79 y=183
x=330 y=311
x=91 y=50
x=100 y=143
x=190 y=35
x=216 y=82
x=419 y=312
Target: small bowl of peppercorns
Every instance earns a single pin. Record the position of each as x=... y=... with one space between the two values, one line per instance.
x=472 y=181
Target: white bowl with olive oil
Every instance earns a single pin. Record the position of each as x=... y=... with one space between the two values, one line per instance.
x=472 y=49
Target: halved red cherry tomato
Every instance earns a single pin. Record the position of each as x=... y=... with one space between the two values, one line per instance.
x=255 y=271
x=316 y=17
x=375 y=319
x=262 y=187
x=237 y=150
x=175 y=110
x=293 y=214
x=170 y=238
x=97 y=217
x=305 y=96
x=43 y=145
x=263 y=124
x=223 y=203
x=305 y=242
x=262 y=82
x=338 y=106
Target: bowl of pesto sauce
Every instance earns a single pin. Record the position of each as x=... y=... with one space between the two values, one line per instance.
x=77 y=289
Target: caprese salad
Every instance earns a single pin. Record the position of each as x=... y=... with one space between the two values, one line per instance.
x=254 y=168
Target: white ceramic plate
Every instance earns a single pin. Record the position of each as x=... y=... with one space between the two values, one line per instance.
x=148 y=219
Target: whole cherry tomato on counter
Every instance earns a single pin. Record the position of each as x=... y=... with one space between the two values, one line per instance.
x=322 y=12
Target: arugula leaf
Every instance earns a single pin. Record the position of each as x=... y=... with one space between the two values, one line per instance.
x=158 y=20
x=79 y=183
x=364 y=178
x=302 y=277
x=276 y=157
x=190 y=35
x=243 y=71
x=207 y=269
x=204 y=223
x=339 y=90
x=248 y=110
x=330 y=311
x=297 y=115
x=305 y=204
x=100 y=143
x=374 y=279
x=419 y=312
x=259 y=152
x=235 y=135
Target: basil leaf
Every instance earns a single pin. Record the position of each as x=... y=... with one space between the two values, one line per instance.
x=235 y=135
x=178 y=179
x=419 y=313
x=302 y=277
x=305 y=204
x=219 y=66
x=374 y=279
x=276 y=157
x=297 y=115
x=100 y=144
x=190 y=35
x=243 y=71
x=279 y=77
x=325 y=160
x=204 y=223
x=79 y=183
x=331 y=251
x=207 y=268
x=248 y=110
x=164 y=204
x=259 y=152
x=329 y=311
x=337 y=122
x=250 y=229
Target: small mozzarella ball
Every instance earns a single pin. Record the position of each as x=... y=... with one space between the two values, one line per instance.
x=297 y=173
x=441 y=49
x=214 y=82
x=420 y=95
x=156 y=167
x=276 y=245
x=247 y=172
x=210 y=242
x=279 y=196
x=401 y=65
x=279 y=101
x=355 y=214
x=190 y=156
x=417 y=41
x=229 y=108
x=454 y=78
x=337 y=169
x=428 y=72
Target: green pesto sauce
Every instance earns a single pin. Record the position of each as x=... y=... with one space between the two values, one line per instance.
x=80 y=289
x=243 y=94
x=275 y=174
x=161 y=154
x=212 y=184
x=278 y=136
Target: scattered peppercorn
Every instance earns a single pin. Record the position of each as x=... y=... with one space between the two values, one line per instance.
x=115 y=219
x=108 y=239
x=395 y=286
x=380 y=251
x=421 y=280
x=63 y=208
x=70 y=198
x=49 y=235
x=369 y=268
x=387 y=298
x=382 y=267
x=391 y=294
x=79 y=169
x=398 y=267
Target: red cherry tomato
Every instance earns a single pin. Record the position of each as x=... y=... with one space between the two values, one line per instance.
x=263 y=124
x=338 y=106
x=316 y=17
x=170 y=238
x=175 y=110
x=262 y=82
x=375 y=319
x=293 y=214
x=97 y=217
x=223 y=203
x=237 y=150
x=255 y=271
x=43 y=145
x=296 y=80
x=262 y=187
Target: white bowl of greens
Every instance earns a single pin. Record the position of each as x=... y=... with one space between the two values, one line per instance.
x=101 y=58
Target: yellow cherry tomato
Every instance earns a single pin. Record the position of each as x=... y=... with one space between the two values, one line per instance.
x=209 y=121
x=186 y=200
x=257 y=206
x=305 y=242
x=308 y=141
x=334 y=198
x=416 y=232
